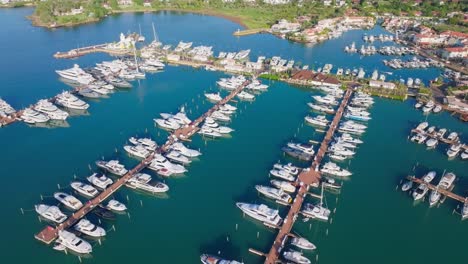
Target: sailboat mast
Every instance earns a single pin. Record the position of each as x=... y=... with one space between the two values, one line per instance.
x=154 y=33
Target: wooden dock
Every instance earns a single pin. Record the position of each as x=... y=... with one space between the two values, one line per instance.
x=305 y=180
x=49 y=233
x=442 y=191
x=246 y=32
x=435 y=136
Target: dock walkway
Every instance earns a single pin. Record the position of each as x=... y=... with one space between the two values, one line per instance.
x=442 y=191
x=74 y=53
x=305 y=179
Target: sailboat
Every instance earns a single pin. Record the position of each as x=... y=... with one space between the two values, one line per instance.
x=317 y=211
x=138 y=74
x=141 y=38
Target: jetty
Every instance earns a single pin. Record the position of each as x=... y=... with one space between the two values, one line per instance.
x=49 y=233
x=246 y=32
x=447 y=193
x=305 y=180
x=440 y=138
x=74 y=53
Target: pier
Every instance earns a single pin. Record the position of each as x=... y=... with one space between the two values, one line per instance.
x=49 y=233
x=246 y=32
x=434 y=188
x=435 y=136
x=305 y=179
x=74 y=53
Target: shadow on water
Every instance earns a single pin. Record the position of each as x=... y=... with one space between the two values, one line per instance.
x=221 y=246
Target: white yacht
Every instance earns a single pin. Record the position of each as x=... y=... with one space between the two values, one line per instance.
x=452 y=136
x=190 y=153
x=273 y=193
x=212 y=124
x=5 y=108
x=217 y=115
x=465 y=209
x=420 y=192
x=429 y=176
x=348 y=138
x=161 y=163
x=337 y=157
x=338 y=150
x=333 y=169
x=215 y=97
x=282 y=174
x=321 y=108
x=302 y=243
x=141 y=181
x=112 y=166
x=261 y=212
x=180 y=117
x=243 y=95
x=407 y=186
x=432 y=142
x=320 y=120
x=116 y=206
x=49 y=109
x=31 y=116
x=68 y=200
x=296 y=257
x=328 y=99
x=283 y=185
x=291 y=169
x=101 y=182
x=422 y=126
x=148 y=143
x=76 y=75
x=67 y=100
x=51 y=213
x=464 y=154
x=74 y=243
x=205 y=131
x=86 y=190
x=177 y=157
x=139 y=151
x=170 y=124
x=454 y=150
x=446 y=183
x=86 y=227
x=228 y=107
x=316 y=211
x=304 y=148
x=210 y=259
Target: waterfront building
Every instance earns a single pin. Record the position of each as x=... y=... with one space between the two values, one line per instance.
x=381 y=84
x=455 y=53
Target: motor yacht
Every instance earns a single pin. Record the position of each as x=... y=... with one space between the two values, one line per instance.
x=88 y=93
x=453 y=136
x=422 y=126
x=338 y=150
x=115 y=205
x=261 y=212
x=464 y=155
x=86 y=190
x=210 y=259
x=283 y=185
x=190 y=153
x=138 y=151
x=296 y=257
x=160 y=162
x=437 y=109
x=316 y=211
x=465 y=209
x=177 y=157
x=211 y=123
x=273 y=193
x=74 y=243
x=291 y=169
x=428 y=177
x=245 y=96
x=454 y=150
x=337 y=157
x=407 y=186
x=348 y=138
x=75 y=75
x=305 y=148
x=205 y=131
x=68 y=200
x=357 y=117
x=86 y=227
x=169 y=124
x=320 y=120
x=321 y=108
x=49 y=109
x=420 y=192
x=215 y=97
x=31 y=116
x=333 y=169
x=180 y=117
x=51 y=213
x=327 y=100
x=228 y=107
x=148 y=143
x=302 y=243
x=5 y=108
x=101 y=182
x=112 y=166
x=445 y=183
x=67 y=100
x=216 y=115
x=141 y=181
x=282 y=174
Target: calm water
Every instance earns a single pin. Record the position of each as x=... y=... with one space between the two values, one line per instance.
x=373 y=222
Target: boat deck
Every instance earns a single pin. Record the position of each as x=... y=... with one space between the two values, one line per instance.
x=442 y=191
x=305 y=180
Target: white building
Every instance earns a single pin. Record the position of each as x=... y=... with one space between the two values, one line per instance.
x=380 y=84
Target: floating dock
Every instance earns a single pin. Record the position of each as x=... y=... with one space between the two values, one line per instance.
x=441 y=139
x=442 y=191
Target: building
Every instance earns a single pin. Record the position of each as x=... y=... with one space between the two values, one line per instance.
x=380 y=84
x=317 y=79
x=455 y=53
x=283 y=26
x=124 y=2
x=428 y=39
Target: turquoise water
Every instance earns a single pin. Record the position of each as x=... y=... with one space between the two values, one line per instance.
x=373 y=222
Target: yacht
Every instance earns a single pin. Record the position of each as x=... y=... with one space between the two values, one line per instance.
x=51 y=213
x=211 y=123
x=139 y=151
x=422 y=126
x=217 y=115
x=305 y=148
x=337 y=157
x=180 y=117
x=283 y=185
x=302 y=243
x=351 y=130
x=441 y=132
x=148 y=143
x=5 y=108
x=68 y=200
x=117 y=82
x=429 y=176
x=446 y=183
x=454 y=150
x=101 y=182
x=88 y=93
x=261 y=212
x=75 y=75
x=205 y=131
x=420 y=192
x=245 y=96
x=321 y=108
x=86 y=190
x=407 y=186
x=348 y=138
x=282 y=174
x=215 y=97
x=273 y=193
x=432 y=142
x=316 y=211
x=320 y=120
x=74 y=243
x=464 y=154
x=333 y=169
x=67 y=100
x=341 y=151
x=357 y=117
x=112 y=166
x=228 y=107
x=31 y=116
x=190 y=153
x=210 y=259
x=291 y=169
x=86 y=227
x=437 y=109
x=141 y=181
x=465 y=209
x=115 y=205
x=49 y=109
x=160 y=162
x=452 y=136
x=170 y=124
x=327 y=100
x=177 y=157
x=296 y=257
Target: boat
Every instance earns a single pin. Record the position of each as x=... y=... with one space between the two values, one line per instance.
x=68 y=200
x=302 y=243
x=211 y=123
x=261 y=212
x=418 y=105
x=86 y=227
x=464 y=155
x=432 y=142
x=31 y=116
x=5 y=108
x=112 y=166
x=296 y=257
x=454 y=150
x=316 y=211
x=139 y=151
x=101 y=182
x=67 y=100
x=320 y=120
x=330 y=183
x=49 y=109
x=215 y=97
x=437 y=109
x=86 y=190
x=245 y=96
x=217 y=115
x=75 y=75
x=429 y=176
x=51 y=213
x=74 y=243
x=348 y=138
x=148 y=143
x=333 y=169
x=177 y=157
x=304 y=148
x=422 y=126
x=291 y=169
x=453 y=136
x=204 y=131
x=180 y=117
x=297 y=154
x=282 y=174
x=445 y=183
x=273 y=193
x=465 y=209
x=88 y=93
x=104 y=213
x=161 y=163
x=420 y=192
x=116 y=206
x=283 y=185
x=169 y=124
x=327 y=100
x=357 y=117
x=228 y=107
x=190 y=153
x=407 y=186
x=141 y=181
x=321 y=108
x=210 y=259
